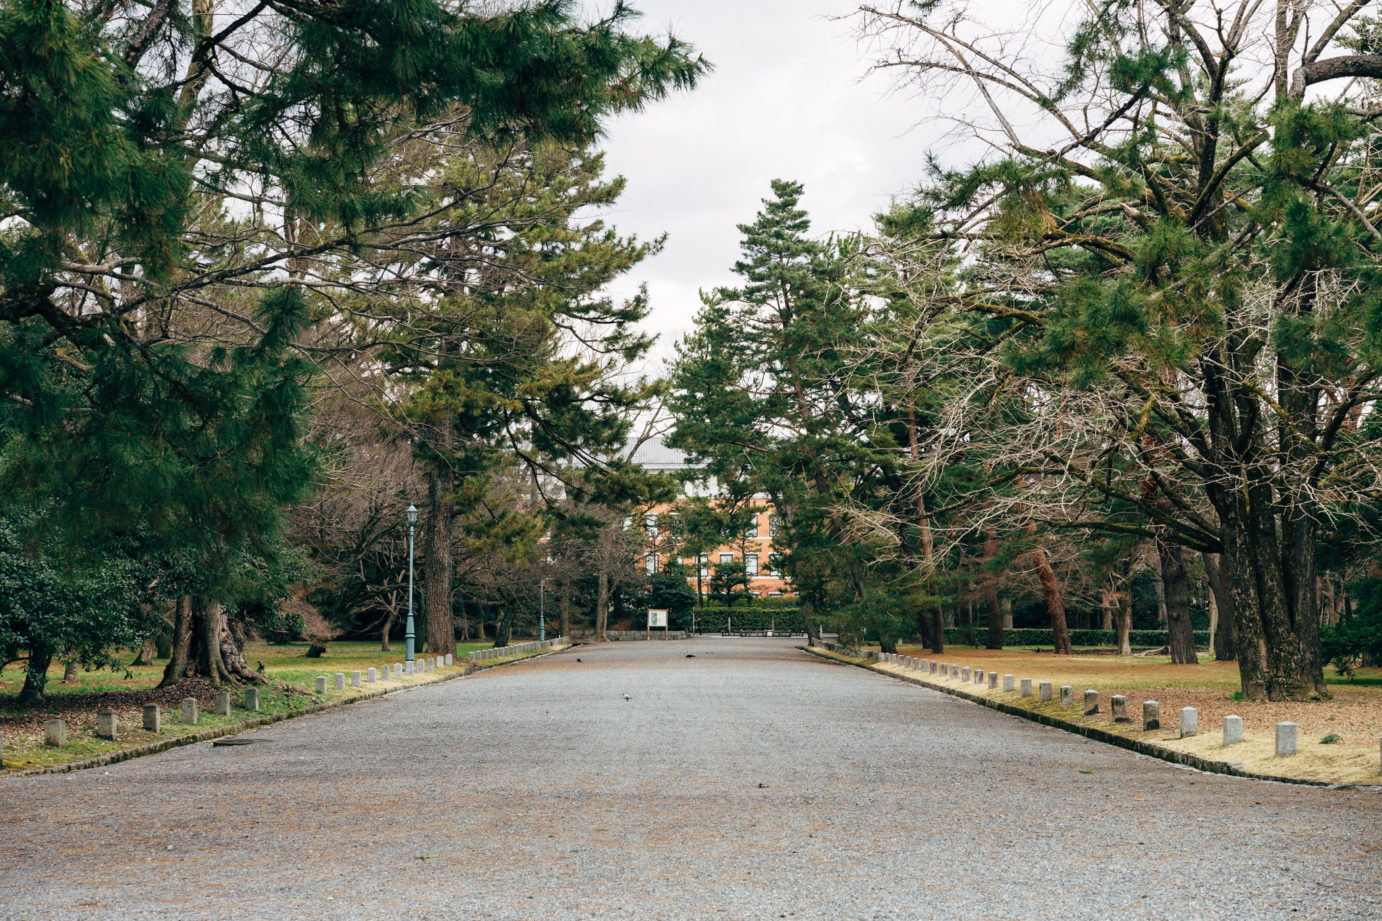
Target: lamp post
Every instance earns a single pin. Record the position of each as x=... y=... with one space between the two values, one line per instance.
x=542 y=610
x=412 y=523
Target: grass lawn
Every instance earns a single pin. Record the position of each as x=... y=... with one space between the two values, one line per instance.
x=1353 y=717
x=290 y=687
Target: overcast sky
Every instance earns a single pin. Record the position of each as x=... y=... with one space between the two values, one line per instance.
x=789 y=99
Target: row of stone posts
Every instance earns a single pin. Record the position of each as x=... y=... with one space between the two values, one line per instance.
x=481 y=656
x=398 y=671
x=1286 y=732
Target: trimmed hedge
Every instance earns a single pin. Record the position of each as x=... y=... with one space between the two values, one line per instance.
x=717 y=618
x=957 y=636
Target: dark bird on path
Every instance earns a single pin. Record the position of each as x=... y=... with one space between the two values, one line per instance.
x=690 y=655
x=578 y=660
x=627 y=697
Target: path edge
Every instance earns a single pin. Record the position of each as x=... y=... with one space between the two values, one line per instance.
x=1185 y=759
x=153 y=748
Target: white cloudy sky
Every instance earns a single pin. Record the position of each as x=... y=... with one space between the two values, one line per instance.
x=789 y=98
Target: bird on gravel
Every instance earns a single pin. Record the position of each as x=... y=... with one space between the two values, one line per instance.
x=627 y=697
x=578 y=659
x=690 y=655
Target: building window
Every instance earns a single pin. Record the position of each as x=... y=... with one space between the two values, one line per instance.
x=751 y=532
x=774 y=526
x=652 y=564
x=651 y=523
x=704 y=562
x=775 y=565
x=726 y=558
x=751 y=564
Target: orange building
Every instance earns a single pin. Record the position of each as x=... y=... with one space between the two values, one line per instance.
x=754 y=548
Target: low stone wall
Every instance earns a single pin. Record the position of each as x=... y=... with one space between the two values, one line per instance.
x=482 y=656
x=657 y=634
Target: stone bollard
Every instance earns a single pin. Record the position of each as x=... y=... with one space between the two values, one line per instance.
x=964 y=673
x=410 y=668
x=371 y=675
x=223 y=703
x=340 y=681
x=979 y=676
x=449 y=660
x=1067 y=696
x=252 y=699
x=1009 y=682
x=1044 y=692
x=1285 y=739
x=1189 y=722
x=993 y=681
x=933 y=666
x=55 y=734
x=107 y=725
x=397 y=671
x=954 y=671
x=2 y=749
x=1118 y=706
x=189 y=711
x=1091 y=703
x=1026 y=687
x=153 y=718
x=1151 y=715
x=1233 y=730
x=355 y=678
x=321 y=684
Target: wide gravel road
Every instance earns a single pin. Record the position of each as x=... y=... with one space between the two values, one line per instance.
x=752 y=781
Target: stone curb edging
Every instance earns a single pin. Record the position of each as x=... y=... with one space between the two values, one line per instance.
x=1099 y=735
x=206 y=735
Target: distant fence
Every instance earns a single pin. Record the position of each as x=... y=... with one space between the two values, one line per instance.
x=657 y=634
x=480 y=656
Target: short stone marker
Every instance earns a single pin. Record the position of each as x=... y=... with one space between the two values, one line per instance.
x=397 y=671
x=55 y=733
x=189 y=711
x=993 y=680
x=1233 y=730
x=1026 y=687
x=1009 y=682
x=410 y=668
x=252 y=699
x=964 y=673
x=153 y=718
x=954 y=671
x=223 y=703
x=1044 y=692
x=1091 y=703
x=355 y=678
x=933 y=666
x=1067 y=696
x=1118 y=706
x=371 y=675
x=2 y=749
x=1285 y=739
x=107 y=725
x=1189 y=722
x=340 y=681
x=978 y=676
x=321 y=684
x=1151 y=715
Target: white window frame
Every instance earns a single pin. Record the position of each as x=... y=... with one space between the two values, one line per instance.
x=751 y=565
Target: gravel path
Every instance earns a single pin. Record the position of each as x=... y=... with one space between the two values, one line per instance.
x=750 y=782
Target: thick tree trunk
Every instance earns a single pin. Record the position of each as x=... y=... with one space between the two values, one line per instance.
x=36 y=676
x=145 y=655
x=990 y=589
x=438 y=566
x=384 y=631
x=503 y=627
x=1124 y=620
x=564 y=606
x=937 y=629
x=176 y=669
x=602 y=607
x=1055 y=604
x=1180 y=631
x=1223 y=602
x=1108 y=603
x=70 y=671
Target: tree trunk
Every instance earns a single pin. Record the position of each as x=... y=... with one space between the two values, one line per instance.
x=145 y=655
x=1224 y=636
x=384 y=631
x=438 y=566
x=1108 y=603
x=1180 y=631
x=564 y=606
x=602 y=607
x=36 y=676
x=1055 y=605
x=503 y=627
x=1125 y=621
x=70 y=671
x=176 y=669
x=937 y=629
x=990 y=589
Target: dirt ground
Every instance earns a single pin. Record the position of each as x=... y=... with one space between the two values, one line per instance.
x=1353 y=715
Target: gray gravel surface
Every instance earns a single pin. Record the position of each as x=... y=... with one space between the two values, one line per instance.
x=752 y=781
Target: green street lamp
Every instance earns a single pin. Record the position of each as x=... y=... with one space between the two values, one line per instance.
x=412 y=523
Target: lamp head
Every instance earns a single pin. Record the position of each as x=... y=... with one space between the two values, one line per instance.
x=412 y=515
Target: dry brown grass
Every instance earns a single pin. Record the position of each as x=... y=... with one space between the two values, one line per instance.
x=1354 y=713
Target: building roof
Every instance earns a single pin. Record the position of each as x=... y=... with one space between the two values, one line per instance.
x=654 y=454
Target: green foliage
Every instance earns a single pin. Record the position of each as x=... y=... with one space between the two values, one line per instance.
x=1357 y=639
x=1087 y=638
x=719 y=619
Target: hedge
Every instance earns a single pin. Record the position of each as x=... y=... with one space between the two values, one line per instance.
x=717 y=618
x=1035 y=637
